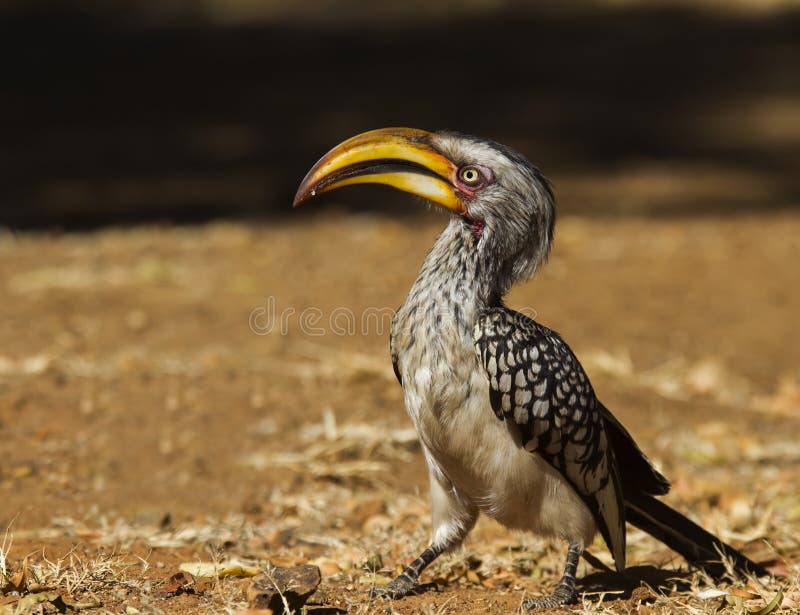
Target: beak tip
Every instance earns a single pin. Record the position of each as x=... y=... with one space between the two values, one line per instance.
x=304 y=193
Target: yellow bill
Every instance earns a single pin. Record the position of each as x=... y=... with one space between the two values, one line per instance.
x=397 y=157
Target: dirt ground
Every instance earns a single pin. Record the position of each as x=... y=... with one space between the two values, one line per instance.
x=170 y=396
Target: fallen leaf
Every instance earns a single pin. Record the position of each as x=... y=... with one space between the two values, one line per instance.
x=18 y=579
x=710 y=593
x=221 y=570
x=16 y=582
x=773 y=605
x=744 y=593
x=29 y=601
x=178 y=583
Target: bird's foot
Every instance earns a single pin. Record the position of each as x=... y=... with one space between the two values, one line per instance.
x=561 y=596
x=400 y=587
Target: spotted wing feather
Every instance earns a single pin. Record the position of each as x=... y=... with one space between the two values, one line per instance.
x=536 y=382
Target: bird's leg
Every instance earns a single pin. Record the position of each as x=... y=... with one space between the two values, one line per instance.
x=565 y=592
x=453 y=518
x=406 y=582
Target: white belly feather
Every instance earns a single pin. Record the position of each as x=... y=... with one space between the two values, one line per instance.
x=477 y=454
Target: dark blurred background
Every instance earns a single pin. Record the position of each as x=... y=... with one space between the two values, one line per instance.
x=147 y=110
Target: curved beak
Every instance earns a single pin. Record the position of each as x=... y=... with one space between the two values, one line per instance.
x=399 y=157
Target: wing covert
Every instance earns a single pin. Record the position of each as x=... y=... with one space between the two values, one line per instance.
x=536 y=382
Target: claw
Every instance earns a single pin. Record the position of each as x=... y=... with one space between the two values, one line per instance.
x=400 y=587
x=559 y=597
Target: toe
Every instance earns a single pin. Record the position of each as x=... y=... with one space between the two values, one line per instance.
x=398 y=588
x=557 y=598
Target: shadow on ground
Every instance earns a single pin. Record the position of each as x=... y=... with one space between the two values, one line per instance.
x=622 y=586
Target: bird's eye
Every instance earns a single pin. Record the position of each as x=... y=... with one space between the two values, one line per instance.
x=470 y=176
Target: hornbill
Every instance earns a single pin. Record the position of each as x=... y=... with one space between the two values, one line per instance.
x=507 y=418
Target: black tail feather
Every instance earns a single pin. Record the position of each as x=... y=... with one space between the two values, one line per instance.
x=637 y=473
x=698 y=546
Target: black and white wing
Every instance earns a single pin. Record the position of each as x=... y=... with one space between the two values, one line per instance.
x=536 y=382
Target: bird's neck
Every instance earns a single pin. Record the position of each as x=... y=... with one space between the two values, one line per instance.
x=456 y=280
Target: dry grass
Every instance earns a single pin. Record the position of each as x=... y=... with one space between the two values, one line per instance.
x=146 y=430
x=361 y=534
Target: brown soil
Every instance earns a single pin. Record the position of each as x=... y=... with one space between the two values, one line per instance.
x=144 y=424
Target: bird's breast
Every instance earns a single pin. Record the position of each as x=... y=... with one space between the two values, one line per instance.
x=434 y=354
x=447 y=397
